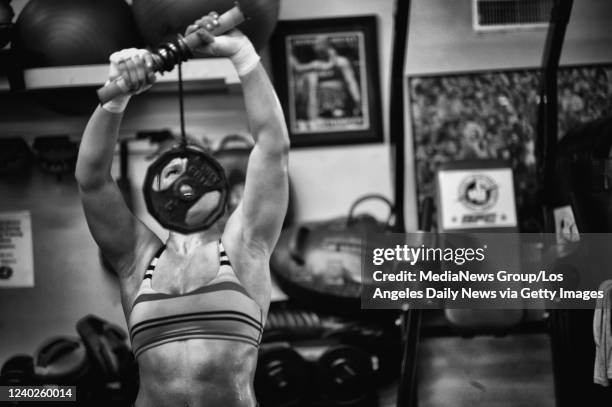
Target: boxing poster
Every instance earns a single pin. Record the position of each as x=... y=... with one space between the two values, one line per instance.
x=326 y=76
x=16 y=256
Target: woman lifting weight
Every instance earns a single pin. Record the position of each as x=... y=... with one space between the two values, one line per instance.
x=196 y=305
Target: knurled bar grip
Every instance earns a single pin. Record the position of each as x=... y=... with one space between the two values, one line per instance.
x=172 y=53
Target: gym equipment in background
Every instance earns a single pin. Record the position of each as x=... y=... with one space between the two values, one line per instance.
x=56 y=155
x=70 y=32
x=18 y=370
x=281 y=376
x=583 y=175
x=100 y=363
x=311 y=359
x=318 y=264
x=582 y=201
x=6 y=24
x=314 y=374
x=61 y=360
x=233 y=153
x=73 y=32
x=15 y=157
x=111 y=358
x=160 y=20
x=287 y=322
x=574 y=180
x=410 y=318
x=179 y=48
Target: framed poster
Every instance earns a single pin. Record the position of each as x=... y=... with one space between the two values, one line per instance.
x=327 y=77
x=493 y=115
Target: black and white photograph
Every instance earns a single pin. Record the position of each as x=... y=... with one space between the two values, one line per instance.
x=493 y=115
x=325 y=77
x=329 y=80
x=321 y=203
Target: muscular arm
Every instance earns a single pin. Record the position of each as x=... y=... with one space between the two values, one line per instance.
x=116 y=231
x=266 y=189
x=110 y=221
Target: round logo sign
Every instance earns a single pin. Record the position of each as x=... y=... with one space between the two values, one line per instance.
x=478 y=192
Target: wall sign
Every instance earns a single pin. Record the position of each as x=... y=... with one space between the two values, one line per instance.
x=16 y=257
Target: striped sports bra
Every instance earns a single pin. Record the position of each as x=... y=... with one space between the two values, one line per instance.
x=221 y=309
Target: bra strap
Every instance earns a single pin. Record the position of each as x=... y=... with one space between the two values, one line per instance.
x=223 y=259
x=153 y=263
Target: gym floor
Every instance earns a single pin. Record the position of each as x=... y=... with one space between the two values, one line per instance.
x=510 y=371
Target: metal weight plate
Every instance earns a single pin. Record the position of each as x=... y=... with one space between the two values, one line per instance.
x=344 y=375
x=282 y=376
x=194 y=173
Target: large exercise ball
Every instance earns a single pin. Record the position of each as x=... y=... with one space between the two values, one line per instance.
x=161 y=20
x=73 y=32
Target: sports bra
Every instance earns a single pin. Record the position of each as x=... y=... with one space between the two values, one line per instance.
x=221 y=309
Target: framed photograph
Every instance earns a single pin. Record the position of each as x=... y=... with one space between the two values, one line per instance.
x=327 y=77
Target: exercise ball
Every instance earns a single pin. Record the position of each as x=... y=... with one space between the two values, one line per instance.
x=161 y=20
x=73 y=32
x=6 y=16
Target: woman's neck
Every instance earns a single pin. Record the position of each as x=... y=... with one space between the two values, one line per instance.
x=183 y=244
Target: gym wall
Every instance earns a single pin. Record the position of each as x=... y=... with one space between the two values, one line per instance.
x=70 y=283
x=332 y=197
x=441 y=40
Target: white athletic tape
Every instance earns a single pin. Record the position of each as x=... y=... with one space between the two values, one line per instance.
x=118 y=104
x=245 y=59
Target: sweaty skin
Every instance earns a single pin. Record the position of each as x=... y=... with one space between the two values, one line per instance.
x=194 y=372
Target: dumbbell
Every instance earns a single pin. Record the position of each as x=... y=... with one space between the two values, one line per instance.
x=344 y=377
x=282 y=376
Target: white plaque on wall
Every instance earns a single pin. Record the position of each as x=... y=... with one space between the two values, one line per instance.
x=476 y=198
x=16 y=256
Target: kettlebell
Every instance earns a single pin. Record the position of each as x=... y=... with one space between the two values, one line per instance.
x=18 y=371
x=61 y=360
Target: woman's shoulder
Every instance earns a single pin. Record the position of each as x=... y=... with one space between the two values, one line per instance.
x=146 y=247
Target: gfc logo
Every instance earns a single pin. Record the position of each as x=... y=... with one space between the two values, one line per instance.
x=478 y=192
